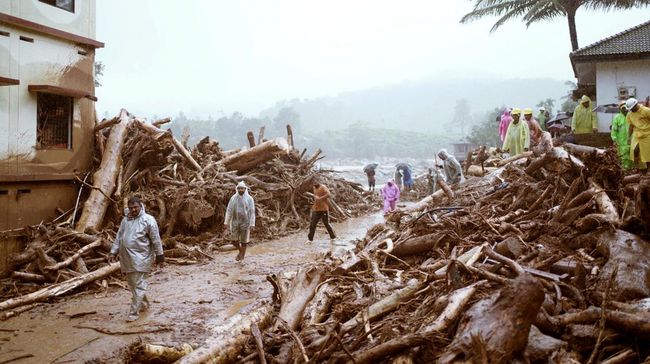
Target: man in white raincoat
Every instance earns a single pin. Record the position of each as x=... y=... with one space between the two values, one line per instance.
x=240 y=218
x=137 y=244
x=451 y=166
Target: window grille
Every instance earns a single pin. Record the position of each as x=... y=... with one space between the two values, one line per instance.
x=61 y=4
x=54 y=124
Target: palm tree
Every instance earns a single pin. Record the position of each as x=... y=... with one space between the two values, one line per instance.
x=537 y=10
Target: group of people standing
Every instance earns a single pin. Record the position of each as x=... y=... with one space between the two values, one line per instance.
x=630 y=133
x=519 y=135
x=451 y=172
x=630 y=130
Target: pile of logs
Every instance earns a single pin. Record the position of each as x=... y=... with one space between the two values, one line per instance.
x=186 y=190
x=545 y=259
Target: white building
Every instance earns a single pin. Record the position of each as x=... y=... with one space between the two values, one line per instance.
x=614 y=69
x=47 y=111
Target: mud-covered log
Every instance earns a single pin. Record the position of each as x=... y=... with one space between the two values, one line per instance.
x=629 y=255
x=445 y=187
x=582 y=150
x=226 y=341
x=296 y=295
x=59 y=289
x=248 y=159
x=319 y=306
x=76 y=255
x=106 y=124
x=28 y=277
x=418 y=245
x=104 y=179
x=501 y=321
x=605 y=205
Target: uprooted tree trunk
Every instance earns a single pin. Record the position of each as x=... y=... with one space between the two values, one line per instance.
x=104 y=179
x=227 y=340
x=629 y=255
x=296 y=294
x=248 y=159
x=59 y=289
x=501 y=322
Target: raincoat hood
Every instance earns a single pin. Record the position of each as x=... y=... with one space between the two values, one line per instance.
x=584 y=99
x=443 y=154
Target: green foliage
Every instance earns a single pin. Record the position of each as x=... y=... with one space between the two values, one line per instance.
x=532 y=11
x=548 y=105
x=486 y=132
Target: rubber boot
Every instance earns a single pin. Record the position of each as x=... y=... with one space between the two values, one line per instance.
x=242 y=252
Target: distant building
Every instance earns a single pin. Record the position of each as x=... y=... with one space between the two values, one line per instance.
x=461 y=148
x=47 y=110
x=614 y=69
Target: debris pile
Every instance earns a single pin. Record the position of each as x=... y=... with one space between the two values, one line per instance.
x=185 y=190
x=543 y=259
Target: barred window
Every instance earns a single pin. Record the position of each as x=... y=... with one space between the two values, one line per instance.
x=61 y=4
x=54 y=124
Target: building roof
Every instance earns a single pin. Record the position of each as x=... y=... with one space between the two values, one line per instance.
x=629 y=44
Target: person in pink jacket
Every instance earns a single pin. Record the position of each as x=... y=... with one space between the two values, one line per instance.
x=506 y=118
x=390 y=193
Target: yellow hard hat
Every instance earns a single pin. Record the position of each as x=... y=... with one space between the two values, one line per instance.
x=528 y=111
x=516 y=111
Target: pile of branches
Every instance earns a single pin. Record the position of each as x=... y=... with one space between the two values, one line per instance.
x=544 y=259
x=186 y=190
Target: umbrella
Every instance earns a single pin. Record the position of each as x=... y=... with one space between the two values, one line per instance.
x=607 y=109
x=370 y=167
x=559 y=117
x=402 y=166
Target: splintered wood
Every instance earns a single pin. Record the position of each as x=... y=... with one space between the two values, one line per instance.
x=502 y=270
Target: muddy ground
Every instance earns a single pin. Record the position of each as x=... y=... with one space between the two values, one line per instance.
x=188 y=300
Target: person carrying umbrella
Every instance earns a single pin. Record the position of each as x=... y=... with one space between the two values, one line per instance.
x=370 y=173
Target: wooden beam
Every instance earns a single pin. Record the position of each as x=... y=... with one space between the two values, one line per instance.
x=6 y=81
x=63 y=91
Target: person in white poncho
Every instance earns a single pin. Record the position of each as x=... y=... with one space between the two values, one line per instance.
x=137 y=244
x=240 y=218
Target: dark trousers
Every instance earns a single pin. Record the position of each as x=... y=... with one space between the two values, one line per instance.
x=317 y=216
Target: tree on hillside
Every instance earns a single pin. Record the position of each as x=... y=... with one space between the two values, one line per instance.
x=548 y=105
x=486 y=132
x=532 y=11
x=462 y=117
x=569 y=104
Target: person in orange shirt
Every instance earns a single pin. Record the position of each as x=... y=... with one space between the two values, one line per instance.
x=320 y=211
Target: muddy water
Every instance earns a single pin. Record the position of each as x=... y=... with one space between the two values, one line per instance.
x=187 y=301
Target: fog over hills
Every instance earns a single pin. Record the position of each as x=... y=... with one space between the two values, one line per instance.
x=426 y=106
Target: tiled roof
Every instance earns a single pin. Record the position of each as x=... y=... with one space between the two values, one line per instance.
x=632 y=42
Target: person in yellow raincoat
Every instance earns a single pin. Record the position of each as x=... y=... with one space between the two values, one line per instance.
x=619 y=134
x=584 y=119
x=638 y=119
x=517 y=139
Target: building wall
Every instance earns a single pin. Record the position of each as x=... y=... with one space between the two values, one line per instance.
x=35 y=185
x=50 y=61
x=612 y=75
x=81 y=22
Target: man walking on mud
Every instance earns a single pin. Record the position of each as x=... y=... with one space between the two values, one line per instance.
x=320 y=211
x=240 y=218
x=138 y=244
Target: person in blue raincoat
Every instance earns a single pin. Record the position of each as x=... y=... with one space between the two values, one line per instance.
x=138 y=246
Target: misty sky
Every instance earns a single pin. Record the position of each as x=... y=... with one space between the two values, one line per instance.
x=205 y=57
